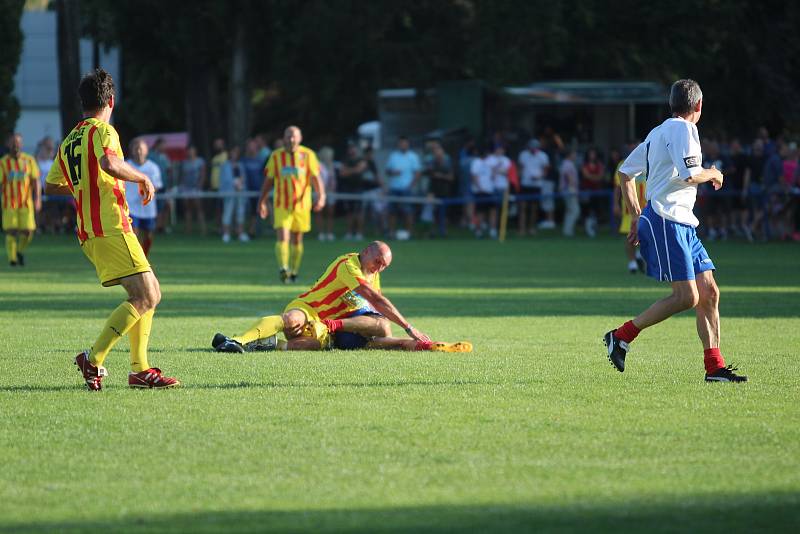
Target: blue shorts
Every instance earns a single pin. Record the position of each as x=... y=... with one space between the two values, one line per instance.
x=146 y=224
x=672 y=251
x=349 y=340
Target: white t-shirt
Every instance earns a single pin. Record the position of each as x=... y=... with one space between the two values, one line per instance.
x=568 y=177
x=669 y=156
x=533 y=167
x=499 y=166
x=480 y=169
x=135 y=205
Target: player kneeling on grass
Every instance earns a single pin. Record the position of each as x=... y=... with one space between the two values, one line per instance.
x=670 y=157
x=348 y=290
x=90 y=167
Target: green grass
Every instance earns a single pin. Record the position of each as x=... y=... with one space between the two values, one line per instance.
x=533 y=431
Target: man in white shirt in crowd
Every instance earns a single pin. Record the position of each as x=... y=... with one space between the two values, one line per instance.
x=569 y=185
x=671 y=159
x=535 y=164
x=404 y=170
x=484 y=194
x=143 y=217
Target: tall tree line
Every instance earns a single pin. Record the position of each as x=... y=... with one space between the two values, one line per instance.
x=231 y=68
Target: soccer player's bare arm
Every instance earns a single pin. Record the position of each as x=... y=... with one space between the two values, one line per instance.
x=263 y=200
x=627 y=186
x=712 y=175
x=120 y=170
x=319 y=188
x=385 y=307
x=36 y=188
x=56 y=189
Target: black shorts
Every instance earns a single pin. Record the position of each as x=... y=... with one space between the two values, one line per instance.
x=484 y=202
x=527 y=191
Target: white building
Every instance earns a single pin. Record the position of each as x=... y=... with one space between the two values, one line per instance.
x=36 y=81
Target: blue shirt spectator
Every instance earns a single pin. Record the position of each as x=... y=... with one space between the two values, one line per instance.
x=253 y=166
x=403 y=167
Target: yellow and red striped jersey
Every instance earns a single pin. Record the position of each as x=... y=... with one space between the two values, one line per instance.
x=334 y=295
x=16 y=175
x=102 y=209
x=291 y=174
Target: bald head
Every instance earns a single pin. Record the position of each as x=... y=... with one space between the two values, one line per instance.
x=376 y=257
x=292 y=137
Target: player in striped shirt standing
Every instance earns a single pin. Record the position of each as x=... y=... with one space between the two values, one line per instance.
x=671 y=160
x=350 y=286
x=90 y=166
x=22 y=199
x=293 y=171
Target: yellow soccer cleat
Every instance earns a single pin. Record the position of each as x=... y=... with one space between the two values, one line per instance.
x=459 y=346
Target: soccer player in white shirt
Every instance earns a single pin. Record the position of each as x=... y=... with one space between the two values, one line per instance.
x=665 y=230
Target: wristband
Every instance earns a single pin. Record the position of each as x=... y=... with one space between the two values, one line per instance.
x=408 y=329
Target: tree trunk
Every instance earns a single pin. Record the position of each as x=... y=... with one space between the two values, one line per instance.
x=239 y=107
x=68 y=34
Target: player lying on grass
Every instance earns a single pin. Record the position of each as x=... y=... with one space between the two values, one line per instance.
x=365 y=329
x=350 y=286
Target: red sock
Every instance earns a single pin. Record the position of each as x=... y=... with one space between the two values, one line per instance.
x=423 y=345
x=627 y=332
x=146 y=246
x=332 y=324
x=713 y=360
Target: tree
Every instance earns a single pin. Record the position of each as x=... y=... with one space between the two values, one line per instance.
x=10 y=50
x=68 y=28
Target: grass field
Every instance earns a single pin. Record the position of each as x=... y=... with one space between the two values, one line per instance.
x=532 y=431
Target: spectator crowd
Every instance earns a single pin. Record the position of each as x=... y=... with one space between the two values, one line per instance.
x=436 y=188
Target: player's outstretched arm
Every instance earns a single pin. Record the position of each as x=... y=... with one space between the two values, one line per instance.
x=712 y=175
x=319 y=188
x=120 y=170
x=385 y=307
x=263 y=200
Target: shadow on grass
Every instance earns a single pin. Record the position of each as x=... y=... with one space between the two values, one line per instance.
x=555 y=302
x=748 y=513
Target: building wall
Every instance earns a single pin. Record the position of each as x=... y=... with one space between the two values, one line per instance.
x=36 y=81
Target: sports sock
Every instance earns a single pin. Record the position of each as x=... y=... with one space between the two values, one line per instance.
x=139 y=336
x=117 y=325
x=297 y=257
x=713 y=360
x=332 y=324
x=627 y=332
x=23 y=240
x=146 y=245
x=423 y=345
x=263 y=328
x=11 y=247
x=282 y=254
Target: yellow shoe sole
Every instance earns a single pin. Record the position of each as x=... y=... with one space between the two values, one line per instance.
x=459 y=346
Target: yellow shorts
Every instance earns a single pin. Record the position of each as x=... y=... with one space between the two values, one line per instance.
x=293 y=220
x=115 y=257
x=625 y=224
x=19 y=219
x=314 y=327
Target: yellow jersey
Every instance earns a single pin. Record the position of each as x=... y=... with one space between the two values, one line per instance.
x=100 y=198
x=16 y=175
x=291 y=174
x=334 y=295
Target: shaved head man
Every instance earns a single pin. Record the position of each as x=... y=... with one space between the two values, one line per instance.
x=292 y=171
x=350 y=287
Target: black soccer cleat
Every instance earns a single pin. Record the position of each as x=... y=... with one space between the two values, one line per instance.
x=617 y=350
x=263 y=345
x=725 y=374
x=284 y=276
x=222 y=343
x=293 y=278
x=20 y=260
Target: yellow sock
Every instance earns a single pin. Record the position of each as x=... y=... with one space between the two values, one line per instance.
x=297 y=257
x=23 y=241
x=282 y=254
x=139 y=335
x=119 y=322
x=11 y=248
x=264 y=327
